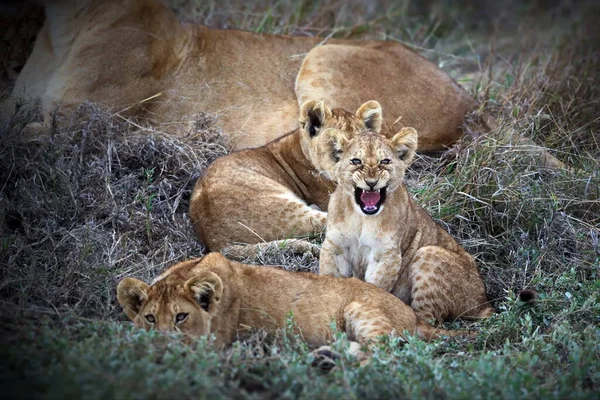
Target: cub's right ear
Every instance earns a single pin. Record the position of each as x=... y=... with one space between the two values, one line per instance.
x=405 y=144
x=313 y=115
x=206 y=288
x=131 y=294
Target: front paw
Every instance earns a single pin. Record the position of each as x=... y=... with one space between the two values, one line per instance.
x=324 y=358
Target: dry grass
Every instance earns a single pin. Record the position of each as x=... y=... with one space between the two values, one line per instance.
x=93 y=203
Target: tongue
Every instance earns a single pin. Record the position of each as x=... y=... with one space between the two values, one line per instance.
x=370 y=199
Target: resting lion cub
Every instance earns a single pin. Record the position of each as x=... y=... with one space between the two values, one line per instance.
x=279 y=190
x=215 y=295
x=376 y=232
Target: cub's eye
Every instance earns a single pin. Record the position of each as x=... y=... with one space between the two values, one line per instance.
x=385 y=161
x=150 y=318
x=182 y=316
x=356 y=161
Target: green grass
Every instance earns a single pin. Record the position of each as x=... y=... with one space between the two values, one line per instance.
x=101 y=200
x=549 y=350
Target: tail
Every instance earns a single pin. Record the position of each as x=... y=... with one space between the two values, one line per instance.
x=428 y=332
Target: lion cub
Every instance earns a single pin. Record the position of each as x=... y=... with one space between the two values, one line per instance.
x=376 y=232
x=214 y=295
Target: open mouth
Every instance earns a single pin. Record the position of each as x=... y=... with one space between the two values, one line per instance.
x=369 y=201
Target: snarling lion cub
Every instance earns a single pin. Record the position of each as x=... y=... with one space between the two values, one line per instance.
x=137 y=59
x=279 y=190
x=376 y=232
x=214 y=295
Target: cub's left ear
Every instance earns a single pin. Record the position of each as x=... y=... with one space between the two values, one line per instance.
x=131 y=294
x=207 y=289
x=405 y=144
x=370 y=114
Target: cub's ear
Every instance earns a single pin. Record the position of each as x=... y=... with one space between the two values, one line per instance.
x=131 y=294
x=405 y=144
x=206 y=288
x=313 y=114
x=337 y=142
x=370 y=114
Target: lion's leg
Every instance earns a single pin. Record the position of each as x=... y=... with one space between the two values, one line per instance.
x=333 y=260
x=268 y=213
x=291 y=218
x=443 y=285
x=363 y=324
x=300 y=220
x=307 y=220
x=384 y=270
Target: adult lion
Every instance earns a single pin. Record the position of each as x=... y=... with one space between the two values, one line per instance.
x=136 y=58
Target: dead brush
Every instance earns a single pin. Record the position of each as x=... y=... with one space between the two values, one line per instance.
x=92 y=202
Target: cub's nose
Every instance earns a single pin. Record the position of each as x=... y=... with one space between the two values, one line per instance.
x=371 y=183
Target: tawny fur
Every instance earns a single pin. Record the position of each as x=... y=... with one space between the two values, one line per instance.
x=400 y=248
x=279 y=190
x=136 y=58
x=223 y=297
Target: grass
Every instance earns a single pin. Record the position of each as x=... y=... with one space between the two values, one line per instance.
x=101 y=199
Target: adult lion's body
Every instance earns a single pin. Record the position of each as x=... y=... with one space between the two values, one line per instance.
x=377 y=232
x=136 y=58
x=215 y=295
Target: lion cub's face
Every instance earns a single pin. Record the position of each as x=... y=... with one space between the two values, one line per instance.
x=372 y=166
x=318 y=122
x=172 y=304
